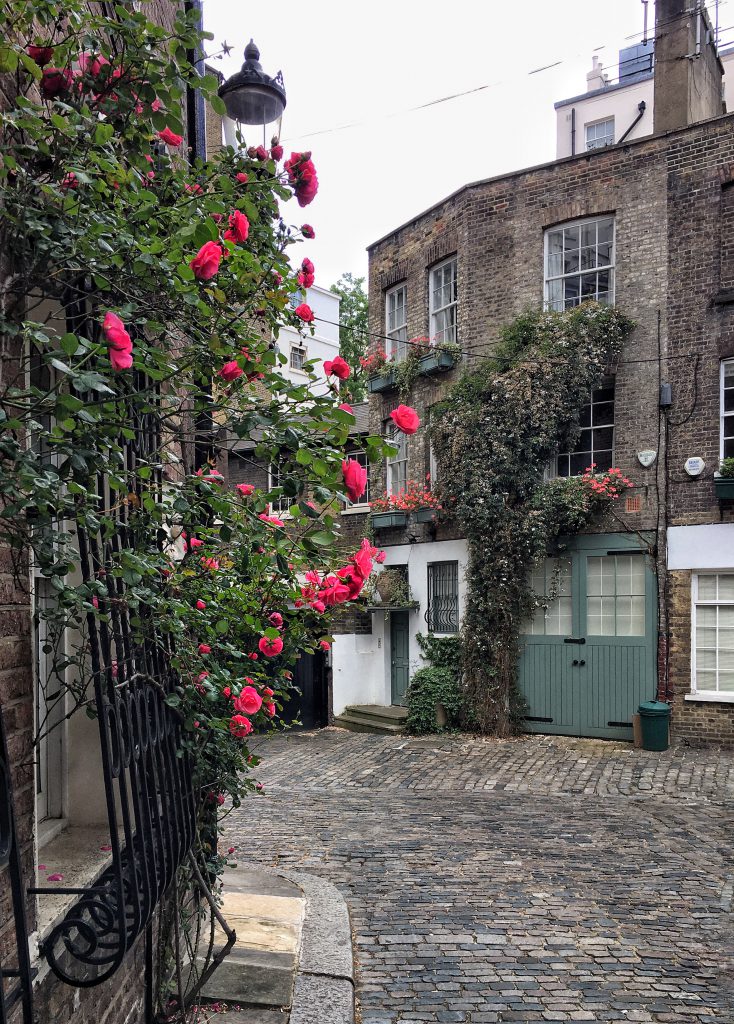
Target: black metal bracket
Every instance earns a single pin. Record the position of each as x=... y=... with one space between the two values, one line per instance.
x=20 y=989
x=574 y=640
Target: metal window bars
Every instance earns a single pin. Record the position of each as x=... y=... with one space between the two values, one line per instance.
x=19 y=978
x=442 y=614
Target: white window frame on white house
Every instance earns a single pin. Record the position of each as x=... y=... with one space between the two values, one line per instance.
x=599 y=134
x=579 y=272
x=698 y=602
x=301 y=355
x=279 y=506
x=396 y=322
x=443 y=301
x=397 y=465
x=361 y=458
x=593 y=433
x=726 y=415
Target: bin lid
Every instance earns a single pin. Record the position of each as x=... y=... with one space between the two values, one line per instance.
x=654 y=707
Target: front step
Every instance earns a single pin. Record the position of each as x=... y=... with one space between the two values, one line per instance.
x=373 y=718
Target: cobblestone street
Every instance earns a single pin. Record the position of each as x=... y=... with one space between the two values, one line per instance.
x=538 y=879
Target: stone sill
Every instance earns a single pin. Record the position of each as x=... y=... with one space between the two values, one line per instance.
x=356 y=510
x=74 y=853
x=717 y=698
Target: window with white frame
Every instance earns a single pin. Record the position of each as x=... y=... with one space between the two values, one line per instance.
x=595 y=445
x=397 y=465
x=713 y=633
x=298 y=358
x=281 y=503
x=443 y=597
x=727 y=409
x=615 y=595
x=361 y=458
x=600 y=134
x=551 y=583
x=396 y=319
x=579 y=263
x=443 y=301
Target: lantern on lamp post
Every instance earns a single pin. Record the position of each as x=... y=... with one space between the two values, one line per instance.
x=251 y=96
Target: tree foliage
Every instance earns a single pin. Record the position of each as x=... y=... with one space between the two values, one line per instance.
x=353 y=330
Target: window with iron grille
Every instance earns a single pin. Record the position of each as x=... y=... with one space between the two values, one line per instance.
x=443 y=597
x=443 y=292
x=596 y=440
x=579 y=263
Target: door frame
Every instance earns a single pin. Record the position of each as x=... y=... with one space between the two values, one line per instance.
x=405 y=614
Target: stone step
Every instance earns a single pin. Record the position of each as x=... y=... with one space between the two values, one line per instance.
x=373 y=718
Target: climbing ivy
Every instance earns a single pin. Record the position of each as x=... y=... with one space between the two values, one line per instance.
x=493 y=435
x=438 y=683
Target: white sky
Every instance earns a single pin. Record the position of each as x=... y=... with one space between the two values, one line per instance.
x=369 y=63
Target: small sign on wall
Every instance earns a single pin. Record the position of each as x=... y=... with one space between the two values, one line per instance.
x=695 y=466
x=646 y=457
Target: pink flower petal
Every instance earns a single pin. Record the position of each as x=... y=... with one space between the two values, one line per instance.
x=54 y=878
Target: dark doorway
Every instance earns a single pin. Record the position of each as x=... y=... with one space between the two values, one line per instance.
x=310 y=707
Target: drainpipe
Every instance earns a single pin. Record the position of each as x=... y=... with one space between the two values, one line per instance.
x=641 y=107
x=573 y=131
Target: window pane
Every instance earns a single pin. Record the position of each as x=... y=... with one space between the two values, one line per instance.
x=726 y=588
x=706 y=589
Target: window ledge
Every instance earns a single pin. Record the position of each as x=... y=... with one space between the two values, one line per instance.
x=74 y=853
x=355 y=510
x=704 y=695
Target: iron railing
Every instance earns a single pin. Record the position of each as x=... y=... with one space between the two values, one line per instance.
x=442 y=615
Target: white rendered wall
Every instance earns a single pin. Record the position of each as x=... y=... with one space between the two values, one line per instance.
x=701 y=547
x=325 y=341
x=361 y=664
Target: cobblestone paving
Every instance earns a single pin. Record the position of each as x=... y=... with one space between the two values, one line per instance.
x=532 y=880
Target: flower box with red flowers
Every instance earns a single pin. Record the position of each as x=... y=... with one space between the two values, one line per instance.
x=724 y=488
x=425 y=515
x=389 y=520
x=436 y=362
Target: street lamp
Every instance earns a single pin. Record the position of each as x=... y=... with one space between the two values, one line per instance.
x=251 y=96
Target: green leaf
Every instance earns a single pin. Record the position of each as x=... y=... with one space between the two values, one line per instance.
x=322 y=538
x=222 y=627
x=103 y=133
x=8 y=59
x=30 y=65
x=69 y=343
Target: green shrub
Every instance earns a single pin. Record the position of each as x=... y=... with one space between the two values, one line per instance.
x=429 y=687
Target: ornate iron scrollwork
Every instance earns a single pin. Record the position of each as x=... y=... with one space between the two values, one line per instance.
x=20 y=977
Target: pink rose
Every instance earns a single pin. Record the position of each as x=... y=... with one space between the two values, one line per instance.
x=305 y=313
x=275 y=619
x=355 y=479
x=318 y=606
x=240 y=726
x=270 y=648
x=276 y=151
x=345 y=407
x=269 y=709
x=324 y=645
x=242 y=178
x=230 y=371
x=406 y=419
x=302 y=177
x=55 y=81
x=273 y=520
x=307 y=231
x=338 y=367
x=239 y=227
x=170 y=138
x=201 y=605
x=205 y=649
x=245 y=489
x=206 y=262
x=249 y=701
x=121 y=346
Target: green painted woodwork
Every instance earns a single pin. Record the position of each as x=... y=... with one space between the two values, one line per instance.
x=399 y=655
x=591 y=688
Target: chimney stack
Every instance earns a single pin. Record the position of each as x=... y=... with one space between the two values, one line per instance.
x=688 y=72
x=596 y=79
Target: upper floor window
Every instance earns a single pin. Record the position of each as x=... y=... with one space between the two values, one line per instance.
x=713 y=631
x=396 y=317
x=397 y=465
x=595 y=445
x=280 y=503
x=443 y=301
x=298 y=358
x=579 y=263
x=443 y=597
x=727 y=409
x=600 y=133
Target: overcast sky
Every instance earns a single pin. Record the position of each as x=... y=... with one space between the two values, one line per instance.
x=367 y=65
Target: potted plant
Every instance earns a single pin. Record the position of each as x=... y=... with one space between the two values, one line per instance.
x=389 y=589
x=415 y=498
x=724 y=481
x=380 y=371
x=439 y=359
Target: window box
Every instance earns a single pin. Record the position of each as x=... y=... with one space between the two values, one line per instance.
x=378 y=384
x=388 y=520
x=724 y=487
x=435 y=362
x=425 y=515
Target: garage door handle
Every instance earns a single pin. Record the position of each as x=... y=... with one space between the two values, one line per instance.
x=582 y=663
x=575 y=661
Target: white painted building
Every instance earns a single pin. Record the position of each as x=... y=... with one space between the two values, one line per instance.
x=610 y=110
x=300 y=346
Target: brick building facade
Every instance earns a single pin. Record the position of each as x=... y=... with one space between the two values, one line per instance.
x=668 y=201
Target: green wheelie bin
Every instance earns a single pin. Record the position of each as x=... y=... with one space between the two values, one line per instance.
x=655 y=724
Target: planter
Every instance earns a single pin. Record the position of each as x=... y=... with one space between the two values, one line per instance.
x=425 y=515
x=435 y=362
x=387 y=520
x=724 y=487
x=410 y=606
x=376 y=385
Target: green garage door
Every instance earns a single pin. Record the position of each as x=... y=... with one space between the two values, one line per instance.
x=589 y=658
